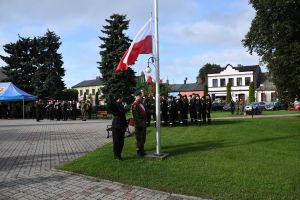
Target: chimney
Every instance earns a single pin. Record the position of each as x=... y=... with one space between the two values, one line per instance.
x=185 y=80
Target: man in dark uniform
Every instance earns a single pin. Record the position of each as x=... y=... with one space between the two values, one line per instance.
x=38 y=110
x=192 y=109
x=65 y=110
x=208 y=108
x=204 y=110
x=58 y=110
x=171 y=111
x=140 y=119
x=51 y=110
x=185 y=110
x=119 y=125
x=179 y=106
x=73 y=110
x=198 y=106
x=164 y=110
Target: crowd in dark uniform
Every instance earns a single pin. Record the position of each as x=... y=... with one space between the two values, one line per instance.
x=180 y=110
x=61 y=110
x=11 y=110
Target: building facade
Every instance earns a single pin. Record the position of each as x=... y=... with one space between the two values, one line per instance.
x=89 y=88
x=240 y=78
x=266 y=91
x=187 y=89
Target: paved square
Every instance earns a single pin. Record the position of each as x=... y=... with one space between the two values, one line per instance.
x=30 y=150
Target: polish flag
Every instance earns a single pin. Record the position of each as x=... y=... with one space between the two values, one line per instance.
x=141 y=44
x=149 y=79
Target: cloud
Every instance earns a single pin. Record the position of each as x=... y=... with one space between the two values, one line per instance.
x=3 y=40
x=214 y=29
x=223 y=57
x=179 y=68
x=192 y=32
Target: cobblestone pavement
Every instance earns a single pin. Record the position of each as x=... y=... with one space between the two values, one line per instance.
x=30 y=150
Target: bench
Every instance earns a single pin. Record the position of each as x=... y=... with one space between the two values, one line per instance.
x=109 y=128
x=102 y=113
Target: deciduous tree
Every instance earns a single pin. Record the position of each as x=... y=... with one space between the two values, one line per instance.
x=275 y=36
x=201 y=78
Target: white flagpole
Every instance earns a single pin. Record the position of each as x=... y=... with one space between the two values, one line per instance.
x=157 y=97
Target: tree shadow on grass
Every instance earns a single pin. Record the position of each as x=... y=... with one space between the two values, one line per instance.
x=270 y=139
x=225 y=122
x=187 y=148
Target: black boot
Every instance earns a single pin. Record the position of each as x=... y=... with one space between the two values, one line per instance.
x=118 y=157
x=139 y=154
x=143 y=152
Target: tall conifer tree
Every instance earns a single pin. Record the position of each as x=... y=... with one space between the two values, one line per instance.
x=113 y=47
x=19 y=68
x=251 y=97
x=228 y=92
x=34 y=65
x=48 y=77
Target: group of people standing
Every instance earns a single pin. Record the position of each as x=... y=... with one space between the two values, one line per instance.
x=178 y=110
x=174 y=110
x=61 y=110
x=239 y=107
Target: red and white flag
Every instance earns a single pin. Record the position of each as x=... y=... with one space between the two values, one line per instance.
x=141 y=44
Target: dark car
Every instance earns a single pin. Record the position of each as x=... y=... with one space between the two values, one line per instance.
x=273 y=106
x=257 y=108
x=217 y=106
x=227 y=107
x=261 y=105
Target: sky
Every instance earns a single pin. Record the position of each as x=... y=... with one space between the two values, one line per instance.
x=191 y=32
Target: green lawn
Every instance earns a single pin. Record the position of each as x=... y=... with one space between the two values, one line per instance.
x=230 y=159
x=217 y=114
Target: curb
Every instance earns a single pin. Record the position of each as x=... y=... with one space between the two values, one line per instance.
x=179 y=196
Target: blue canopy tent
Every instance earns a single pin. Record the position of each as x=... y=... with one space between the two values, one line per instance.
x=9 y=92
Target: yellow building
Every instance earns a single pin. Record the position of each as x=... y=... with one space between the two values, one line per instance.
x=89 y=88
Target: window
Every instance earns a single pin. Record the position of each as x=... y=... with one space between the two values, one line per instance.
x=87 y=91
x=222 y=82
x=230 y=80
x=93 y=91
x=247 y=81
x=273 y=96
x=215 y=82
x=239 y=81
x=81 y=92
x=263 y=97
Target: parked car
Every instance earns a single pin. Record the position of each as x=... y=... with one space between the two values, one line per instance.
x=295 y=106
x=273 y=106
x=217 y=106
x=257 y=108
x=262 y=105
x=227 y=107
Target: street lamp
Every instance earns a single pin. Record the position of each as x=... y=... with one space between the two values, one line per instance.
x=148 y=68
